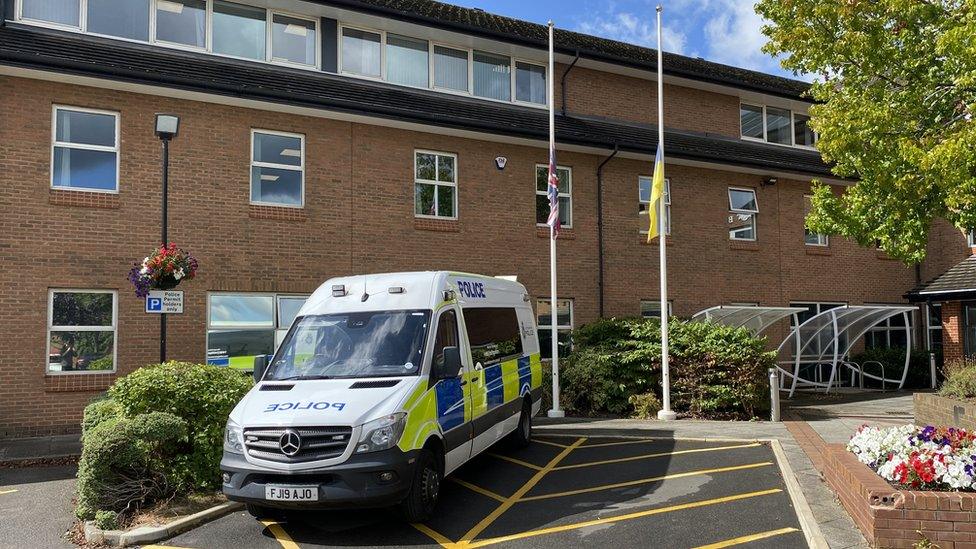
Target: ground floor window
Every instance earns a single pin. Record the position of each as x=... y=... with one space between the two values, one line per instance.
x=933 y=327
x=890 y=333
x=651 y=308
x=242 y=326
x=81 y=331
x=564 y=325
x=823 y=346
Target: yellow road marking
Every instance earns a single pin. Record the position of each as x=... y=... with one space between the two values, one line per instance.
x=549 y=443
x=516 y=461
x=747 y=539
x=2 y=492
x=479 y=489
x=621 y=518
x=279 y=534
x=162 y=547
x=636 y=441
x=434 y=535
x=661 y=454
x=647 y=480
x=514 y=498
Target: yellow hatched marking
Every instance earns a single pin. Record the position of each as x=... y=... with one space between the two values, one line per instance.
x=661 y=454
x=747 y=539
x=636 y=441
x=478 y=489
x=3 y=492
x=279 y=534
x=514 y=498
x=621 y=518
x=556 y=444
x=441 y=539
x=647 y=480
x=516 y=461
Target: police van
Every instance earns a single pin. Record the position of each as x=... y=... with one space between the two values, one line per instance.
x=383 y=385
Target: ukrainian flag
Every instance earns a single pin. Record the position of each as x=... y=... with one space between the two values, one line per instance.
x=657 y=192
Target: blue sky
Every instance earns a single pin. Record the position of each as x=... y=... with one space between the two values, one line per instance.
x=725 y=31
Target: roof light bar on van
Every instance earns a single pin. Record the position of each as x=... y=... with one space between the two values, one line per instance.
x=339 y=290
x=396 y=289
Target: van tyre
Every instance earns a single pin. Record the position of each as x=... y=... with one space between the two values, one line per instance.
x=424 y=490
x=522 y=435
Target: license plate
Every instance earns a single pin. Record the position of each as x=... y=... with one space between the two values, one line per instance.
x=291 y=493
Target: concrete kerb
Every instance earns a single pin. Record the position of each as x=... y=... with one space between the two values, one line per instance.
x=151 y=534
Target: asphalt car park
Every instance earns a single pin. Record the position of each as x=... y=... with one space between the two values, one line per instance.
x=565 y=489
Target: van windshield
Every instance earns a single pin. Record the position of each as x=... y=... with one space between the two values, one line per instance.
x=352 y=345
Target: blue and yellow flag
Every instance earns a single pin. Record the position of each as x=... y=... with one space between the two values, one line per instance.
x=657 y=192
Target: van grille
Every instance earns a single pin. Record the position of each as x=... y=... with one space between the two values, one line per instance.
x=317 y=443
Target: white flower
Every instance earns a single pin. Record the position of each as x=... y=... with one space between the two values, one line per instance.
x=144 y=270
x=178 y=274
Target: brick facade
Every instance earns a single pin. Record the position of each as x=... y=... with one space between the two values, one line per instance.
x=932 y=409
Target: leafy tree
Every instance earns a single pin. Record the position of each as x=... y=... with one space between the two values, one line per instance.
x=895 y=94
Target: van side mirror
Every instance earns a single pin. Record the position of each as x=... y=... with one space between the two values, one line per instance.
x=260 y=365
x=451 y=367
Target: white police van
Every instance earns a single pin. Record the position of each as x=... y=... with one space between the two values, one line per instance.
x=384 y=384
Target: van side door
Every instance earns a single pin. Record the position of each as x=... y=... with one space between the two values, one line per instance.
x=453 y=395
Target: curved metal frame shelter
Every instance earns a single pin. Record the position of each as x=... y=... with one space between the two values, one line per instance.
x=757 y=319
x=828 y=337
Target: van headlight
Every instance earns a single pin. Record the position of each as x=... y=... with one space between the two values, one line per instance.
x=381 y=434
x=233 y=438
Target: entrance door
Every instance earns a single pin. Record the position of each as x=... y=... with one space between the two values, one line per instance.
x=453 y=395
x=969 y=328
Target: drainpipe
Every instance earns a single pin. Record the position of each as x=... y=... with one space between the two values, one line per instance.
x=599 y=221
x=562 y=81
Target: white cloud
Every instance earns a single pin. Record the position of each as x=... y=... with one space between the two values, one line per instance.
x=734 y=35
x=633 y=29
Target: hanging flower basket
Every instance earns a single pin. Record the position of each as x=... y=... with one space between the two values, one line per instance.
x=163 y=269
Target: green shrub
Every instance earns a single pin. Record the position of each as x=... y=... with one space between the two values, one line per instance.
x=200 y=394
x=107 y=520
x=919 y=372
x=97 y=412
x=124 y=462
x=960 y=379
x=589 y=383
x=646 y=406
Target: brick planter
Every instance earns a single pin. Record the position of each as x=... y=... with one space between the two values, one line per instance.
x=889 y=517
x=932 y=409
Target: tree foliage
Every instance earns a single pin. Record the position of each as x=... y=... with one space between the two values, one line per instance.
x=895 y=93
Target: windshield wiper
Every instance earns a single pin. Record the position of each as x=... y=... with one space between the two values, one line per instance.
x=301 y=378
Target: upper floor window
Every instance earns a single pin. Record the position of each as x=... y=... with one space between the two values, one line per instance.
x=971 y=237
x=492 y=76
x=240 y=31
x=293 y=39
x=407 y=61
x=811 y=238
x=85 y=150
x=742 y=214
x=565 y=195
x=362 y=52
x=450 y=67
x=644 y=198
x=775 y=125
x=530 y=83
x=81 y=330
x=435 y=184
x=277 y=168
x=182 y=22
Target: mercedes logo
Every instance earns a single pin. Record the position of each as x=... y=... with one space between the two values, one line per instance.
x=290 y=443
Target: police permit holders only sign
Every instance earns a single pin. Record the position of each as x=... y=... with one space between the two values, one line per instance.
x=164 y=302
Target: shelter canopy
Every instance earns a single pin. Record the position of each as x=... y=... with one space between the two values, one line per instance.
x=756 y=319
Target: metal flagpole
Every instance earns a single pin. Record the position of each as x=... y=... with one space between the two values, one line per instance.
x=665 y=413
x=555 y=411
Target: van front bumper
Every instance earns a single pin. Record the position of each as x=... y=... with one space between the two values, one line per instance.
x=354 y=483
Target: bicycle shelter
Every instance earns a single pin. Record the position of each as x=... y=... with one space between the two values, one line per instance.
x=756 y=319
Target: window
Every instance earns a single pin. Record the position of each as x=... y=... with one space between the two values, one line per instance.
x=58 y=12
x=81 y=331
x=447 y=336
x=243 y=326
x=742 y=214
x=933 y=327
x=182 y=22
x=530 y=83
x=450 y=69
x=239 y=31
x=778 y=126
x=277 y=168
x=494 y=335
x=293 y=40
x=751 y=121
x=121 y=18
x=407 y=61
x=811 y=238
x=564 y=325
x=565 y=194
x=644 y=200
x=803 y=134
x=492 y=76
x=435 y=184
x=361 y=52
x=890 y=333
x=824 y=339
x=85 y=152
x=971 y=238
x=652 y=308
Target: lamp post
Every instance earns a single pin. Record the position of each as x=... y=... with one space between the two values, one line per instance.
x=167 y=126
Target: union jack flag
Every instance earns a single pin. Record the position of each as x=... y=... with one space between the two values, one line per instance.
x=553 y=191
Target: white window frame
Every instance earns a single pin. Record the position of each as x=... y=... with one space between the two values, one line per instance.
x=823 y=241
x=254 y=163
x=568 y=194
x=753 y=213
x=929 y=328
x=433 y=67
x=765 y=137
x=545 y=68
x=971 y=237
x=275 y=327
x=887 y=328
x=667 y=204
x=82 y=146
x=114 y=328
x=658 y=303
x=340 y=61
x=555 y=315
x=435 y=183
x=82 y=17
x=793 y=127
x=269 y=51
x=762 y=109
x=207 y=28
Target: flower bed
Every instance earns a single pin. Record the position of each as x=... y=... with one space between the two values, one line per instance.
x=919 y=458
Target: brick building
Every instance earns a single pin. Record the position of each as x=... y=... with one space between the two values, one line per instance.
x=329 y=137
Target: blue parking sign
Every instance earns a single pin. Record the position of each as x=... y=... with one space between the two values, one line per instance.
x=154 y=304
x=164 y=302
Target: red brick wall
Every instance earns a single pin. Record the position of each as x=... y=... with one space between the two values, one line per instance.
x=952 y=334
x=358 y=218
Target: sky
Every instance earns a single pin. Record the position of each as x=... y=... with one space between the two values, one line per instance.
x=724 y=31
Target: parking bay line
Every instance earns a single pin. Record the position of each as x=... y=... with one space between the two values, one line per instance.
x=5 y=492
x=621 y=518
x=646 y=481
x=478 y=489
x=661 y=454
x=441 y=539
x=517 y=461
x=280 y=534
x=746 y=539
x=550 y=443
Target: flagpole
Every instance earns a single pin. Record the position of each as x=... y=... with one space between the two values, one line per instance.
x=665 y=413
x=555 y=411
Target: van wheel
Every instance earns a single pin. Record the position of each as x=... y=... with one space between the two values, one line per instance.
x=261 y=512
x=424 y=490
x=522 y=435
